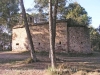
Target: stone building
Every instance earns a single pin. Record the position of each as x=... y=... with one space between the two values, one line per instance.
x=73 y=39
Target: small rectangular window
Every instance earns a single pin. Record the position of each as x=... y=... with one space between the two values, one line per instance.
x=17 y=43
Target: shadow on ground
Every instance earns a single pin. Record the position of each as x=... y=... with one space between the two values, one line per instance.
x=15 y=60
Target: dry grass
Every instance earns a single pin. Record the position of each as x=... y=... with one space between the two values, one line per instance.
x=20 y=63
x=63 y=70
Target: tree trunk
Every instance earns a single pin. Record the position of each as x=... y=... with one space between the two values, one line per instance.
x=68 y=40
x=10 y=31
x=52 y=51
x=32 y=52
x=54 y=21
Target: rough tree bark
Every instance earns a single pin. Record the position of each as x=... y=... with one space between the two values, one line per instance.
x=52 y=51
x=32 y=52
x=54 y=21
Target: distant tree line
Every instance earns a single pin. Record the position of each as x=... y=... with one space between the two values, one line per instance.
x=95 y=38
x=8 y=10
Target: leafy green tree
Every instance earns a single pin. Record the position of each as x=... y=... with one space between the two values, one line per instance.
x=39 y=17
x=8 y=10
x=95 y=39
x=76 y=15
x=98 y=29
x=4 y=38
x=54 y=7
x=43 y=5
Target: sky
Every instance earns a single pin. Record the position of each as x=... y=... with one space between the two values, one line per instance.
x=91 y=6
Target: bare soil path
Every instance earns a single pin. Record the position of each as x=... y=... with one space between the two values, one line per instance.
x=9 y=55
x=11 y=63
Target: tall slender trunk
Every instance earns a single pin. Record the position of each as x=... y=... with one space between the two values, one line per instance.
x=9 y=37
x=10 y=48
x=54 y=21
x=32 y=52
x=52 y=51
x=68 y=40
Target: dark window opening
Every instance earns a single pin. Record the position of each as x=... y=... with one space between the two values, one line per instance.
x=60 y=42
x=39 y=43
x=30 y=19
x=17 y=43
x=81 y=42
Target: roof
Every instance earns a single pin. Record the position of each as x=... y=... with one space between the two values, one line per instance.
x=37 y=24
x=45 y=23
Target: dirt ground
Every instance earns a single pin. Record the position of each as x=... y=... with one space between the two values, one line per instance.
x=12 y=63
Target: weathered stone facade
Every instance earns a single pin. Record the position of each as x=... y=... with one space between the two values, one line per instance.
x=72 y=39
x=79 y=40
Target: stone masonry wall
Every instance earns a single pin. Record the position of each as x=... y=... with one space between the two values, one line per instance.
x=40 y=35
x=79 y=40
x=68 y=39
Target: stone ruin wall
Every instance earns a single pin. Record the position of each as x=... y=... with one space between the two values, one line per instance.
x=40 y=35
x=19 y=39
x=79 y=40
x=72 y=39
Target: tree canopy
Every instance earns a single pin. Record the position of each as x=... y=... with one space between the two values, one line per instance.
x=77 y=15
x=95 y=38
x=8 y=10
x=42 y=7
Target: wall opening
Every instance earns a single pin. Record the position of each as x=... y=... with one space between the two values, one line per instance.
x=81 y=42
x=30 y=19
x=60 y=43
x=39 y=43
x=17 y=43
